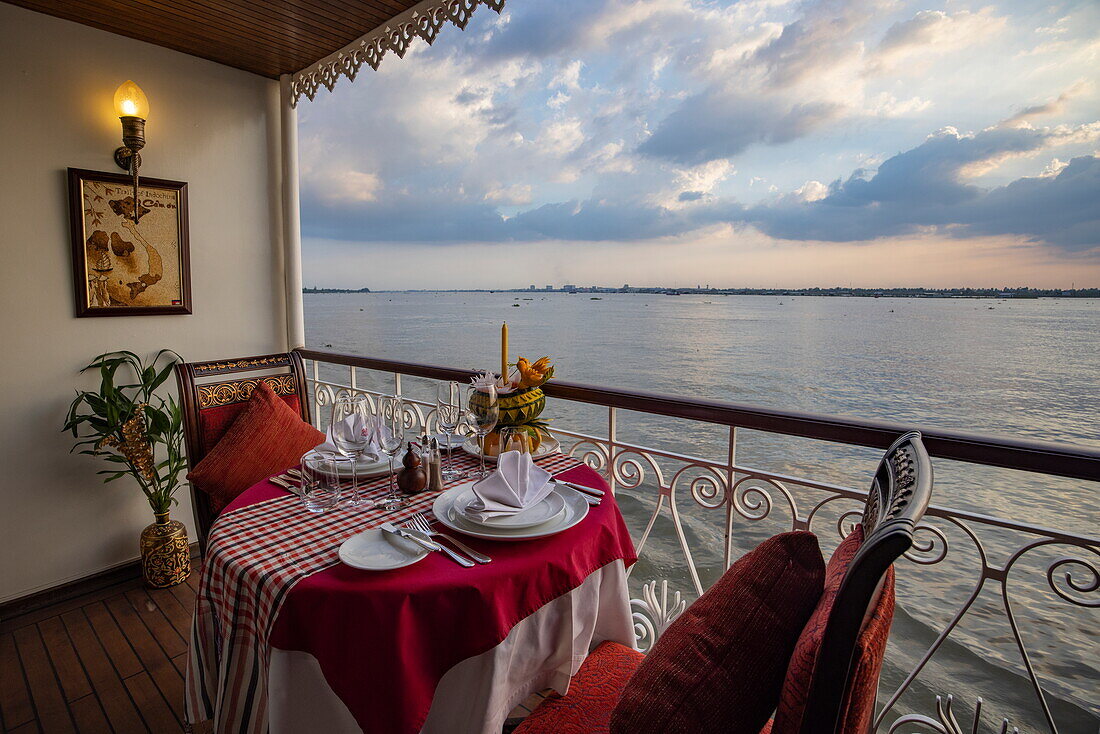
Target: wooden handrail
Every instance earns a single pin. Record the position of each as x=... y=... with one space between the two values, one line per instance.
x=1046 y=457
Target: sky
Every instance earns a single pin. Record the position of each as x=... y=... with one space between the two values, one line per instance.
x=761 y=143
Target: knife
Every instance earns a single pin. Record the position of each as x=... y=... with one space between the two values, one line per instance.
x=580 y=487
x=425 y=542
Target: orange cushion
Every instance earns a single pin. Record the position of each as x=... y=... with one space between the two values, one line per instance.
x=719 y=667
x=859 y=702
x=593 y=692
x=266 y=438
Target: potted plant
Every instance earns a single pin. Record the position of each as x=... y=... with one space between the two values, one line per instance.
x=141 y=434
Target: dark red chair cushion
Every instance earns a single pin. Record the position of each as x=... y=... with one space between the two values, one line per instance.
x=859 y=703
x=214 y=422
x=267 y=437
x=720 y=665
x=592 y=694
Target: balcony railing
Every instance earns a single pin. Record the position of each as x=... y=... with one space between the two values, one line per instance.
x=979 y=565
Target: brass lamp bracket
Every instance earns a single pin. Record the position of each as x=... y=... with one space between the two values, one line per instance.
x=122 y=157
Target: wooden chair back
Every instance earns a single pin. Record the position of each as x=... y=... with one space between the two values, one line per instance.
x=210 y=402
x=899 y=496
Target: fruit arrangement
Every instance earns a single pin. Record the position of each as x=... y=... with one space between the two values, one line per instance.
x=520 y=401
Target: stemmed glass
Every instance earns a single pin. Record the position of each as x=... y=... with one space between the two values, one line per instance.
x=448 y=411
x=351 y=443
x=392 y=415
x=482 y=411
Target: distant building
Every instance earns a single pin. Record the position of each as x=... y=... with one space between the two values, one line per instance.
x=548 y=288
x=531 y=287
x=569 y=287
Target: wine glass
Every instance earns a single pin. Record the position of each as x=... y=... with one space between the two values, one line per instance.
x=351 y=443
x=392 y=438
x=448 y=411
x=483 y=411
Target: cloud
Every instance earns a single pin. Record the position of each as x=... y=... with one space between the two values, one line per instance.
x=923 y=188
x=1053 y=107
x=931 y=32
x=821 y=38
x=721 y=123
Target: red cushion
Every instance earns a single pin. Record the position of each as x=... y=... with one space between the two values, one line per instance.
x=586 y=709
x=859 y=702
x=266 y=438
x=720 y=665
x=214 y=422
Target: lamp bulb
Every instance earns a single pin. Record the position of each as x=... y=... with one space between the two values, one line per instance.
x=130 y=101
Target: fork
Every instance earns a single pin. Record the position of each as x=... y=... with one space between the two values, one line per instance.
x=421 y=523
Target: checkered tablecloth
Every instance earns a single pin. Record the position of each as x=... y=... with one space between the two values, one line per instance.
x=254 y=556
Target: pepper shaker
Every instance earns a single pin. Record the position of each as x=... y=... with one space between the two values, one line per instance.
x=435 y=467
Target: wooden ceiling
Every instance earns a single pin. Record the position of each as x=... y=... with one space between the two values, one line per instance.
x=269 y=38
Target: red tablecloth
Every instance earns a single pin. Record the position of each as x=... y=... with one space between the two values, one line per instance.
x=385 y=639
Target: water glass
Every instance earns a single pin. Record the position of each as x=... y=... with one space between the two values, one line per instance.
x=515 y=438
x=320 y=483
x=448 y=411
x=482 y=411
x=392 y=414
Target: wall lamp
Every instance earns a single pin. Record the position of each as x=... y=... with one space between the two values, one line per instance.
x=132 y=107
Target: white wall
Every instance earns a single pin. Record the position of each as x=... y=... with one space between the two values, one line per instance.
x=211 y=126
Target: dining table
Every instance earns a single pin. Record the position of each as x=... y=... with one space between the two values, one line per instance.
x=287 y=638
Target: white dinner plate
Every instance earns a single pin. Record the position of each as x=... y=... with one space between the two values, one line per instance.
x=545 y=510
x=548 y=446
x=576 y=509
x=374 y=550
x=365 y=468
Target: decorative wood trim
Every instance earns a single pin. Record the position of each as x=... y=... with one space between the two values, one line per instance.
x=423 y=20
x=96 y=583
x=238 y=391
x=224 y=367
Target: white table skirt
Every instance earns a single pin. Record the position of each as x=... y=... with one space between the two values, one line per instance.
x=475 y=696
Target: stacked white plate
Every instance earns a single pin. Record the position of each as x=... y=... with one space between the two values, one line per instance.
x=366 y=467
x=561 y=509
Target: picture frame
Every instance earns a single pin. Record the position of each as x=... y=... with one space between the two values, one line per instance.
x=123 y=268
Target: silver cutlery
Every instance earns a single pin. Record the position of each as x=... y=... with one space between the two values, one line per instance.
x=286 y=483
x=426 y=542
x=421 y=523
x=580 y=487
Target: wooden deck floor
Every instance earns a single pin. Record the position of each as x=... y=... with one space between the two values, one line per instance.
x=107 y=662
x=112 y=661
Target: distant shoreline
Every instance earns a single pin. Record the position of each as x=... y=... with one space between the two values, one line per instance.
x=1016 y=293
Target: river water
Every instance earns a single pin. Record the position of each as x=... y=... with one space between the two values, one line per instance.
x=1024 y=368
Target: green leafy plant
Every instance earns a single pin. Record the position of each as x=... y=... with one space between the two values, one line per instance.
x=130 y=426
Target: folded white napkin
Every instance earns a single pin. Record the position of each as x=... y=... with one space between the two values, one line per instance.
x=516 y=485
x=369 y=426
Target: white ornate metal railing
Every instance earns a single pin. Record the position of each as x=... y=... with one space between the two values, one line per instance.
x=999 y=554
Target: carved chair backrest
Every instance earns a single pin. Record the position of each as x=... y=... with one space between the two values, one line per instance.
x=900 y=492
x=210 y=402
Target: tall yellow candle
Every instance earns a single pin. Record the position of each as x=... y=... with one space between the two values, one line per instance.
x=504 y=351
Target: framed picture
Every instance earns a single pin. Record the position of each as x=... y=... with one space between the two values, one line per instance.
x=123 y=268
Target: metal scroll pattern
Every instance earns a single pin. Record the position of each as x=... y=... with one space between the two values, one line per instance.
x=423 y=21
x=742 y=496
